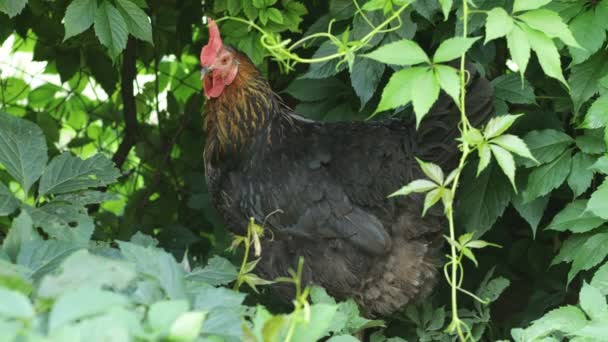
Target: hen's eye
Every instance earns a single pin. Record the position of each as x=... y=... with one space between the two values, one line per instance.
x=224 y=60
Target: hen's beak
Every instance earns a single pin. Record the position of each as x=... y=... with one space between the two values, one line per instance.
x=204 y=71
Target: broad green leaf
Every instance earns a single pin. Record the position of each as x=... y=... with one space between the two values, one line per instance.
x=589 y=254
x=12 y=7
x=584 y=78
x=136 y=19
x=209 y=298
x=600 y=279
x=482 y=199
x=525 y=5
x=162 y=314
x=187 y=326
x=549 y=23
x=546 y=145
x=499 y=124
x=498 y=24
x=449 y=81
x=81 y=303
x=159 y=265
x=593 y=303
x=67 y=173
x=513 y=144
x=531 y=212
x=547 y=53
x=402 y=52
x=22 y=149
x=219 y=271
x=365 y=77
x=519 y=48
x=419 y=185
x=274 y=15
x=485 y=156
x=598 y=203
x=43 y=256
x=321 y=316
x=8 y=202
x=424 y=94
x=600 y=165
x=566 y=318
x=21 y=232
x=14 y=304
x=597 y=115
x=85 y=269
x=513 y=89
x=453 y=48
x=589 y=32
x=433 y=171
x=505 y=161
x=591 y=142
x=83 y=198
x=79 y=16
x=575 y=218
x=111 y=28
x=431 y=198
x=547 y=177
x=398 y=91
x=446 y=6
x=64 y=221
x=580 y=176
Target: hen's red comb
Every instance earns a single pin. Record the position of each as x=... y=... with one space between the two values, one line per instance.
x=210 y=51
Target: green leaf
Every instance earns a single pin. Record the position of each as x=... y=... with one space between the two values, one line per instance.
x=575 y=218
x=84 y=269
x=499 y=124
x=547 y=53
x=580 y=176
x=402 y=52
x=513 y=89
x=398 y=90
x=431 y=198
x=43 y=256
x=598 y=203
x=275 y=15
x=67 y=173
x=21 y=232
x=584 y=78
x=321 y=316
x=505 y=161
x=591 y=142
x=546 y=145
x=344 y=338
x=588 y=31
x=82 y=303
x=513 y=144
x=14 y=304
x=600 y=165
x=433 y=171
x=446 y=6
x=424 y=94
x=593 y=303
x=483 y=199
x=219 y=271
x=485 y=156
x=12 y=7
x=498 y=24
x=111 y=28
x=600 y=279
x=549 y=23
x=547 y=177
x=597 y=115
x=365 y=77
x=8 y=202
x=531 y=212
x=79 y=17
x=453 y=48
x=22 y=149
x=449 y=81
x=136 y=19
x=519 y=48
x=64 y=222
x=566 y=318
x=159 y=265
x=525 y=5
x=162 y=314
x=419 y=185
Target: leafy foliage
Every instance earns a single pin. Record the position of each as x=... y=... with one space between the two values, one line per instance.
x=102 y=189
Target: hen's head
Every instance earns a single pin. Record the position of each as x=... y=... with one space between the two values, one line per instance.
x=219 y=65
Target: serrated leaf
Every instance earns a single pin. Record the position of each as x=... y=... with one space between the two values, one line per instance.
x=446 y=6
x=64 y=222
x=584 y=78
x=8 y=202
x=597 y=115
x=419 y=185
x=22 y=149
x=519 y=48
x=549 y=23
x=431 y=198
x=566 y=318
x=546 y=145
x=505 y=161
x=485 y=156
x=111 y=28
x=532 y=212
x=453 y=48
x=498 y=24
x=136 y=19
x=219 y=271
x=547 y=177
x=581 y=175
x=433 y=171
x=402 y=52
x=365 y=77
x=43 y=256
x=79 y=16
x=67 y=173
x=499 y=124
x=600 y=279
x=513 y=144
x=21 y=232
x=575 y=218
x=12 y=7
x=598 y=203
x=398 y=90
x=424 y=94
x=591 y=252
x=593 y=303
x=546 y=52
x=449 y=81
x=513 y=89
x=592 y=142
x=525 y=5
x=588 y=31
x=600 y=165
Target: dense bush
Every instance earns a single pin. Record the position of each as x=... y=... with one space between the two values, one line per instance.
x=106 y=224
